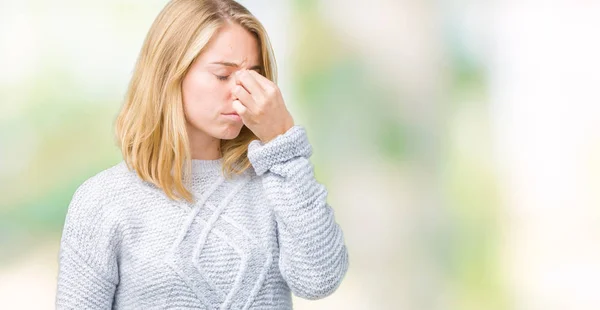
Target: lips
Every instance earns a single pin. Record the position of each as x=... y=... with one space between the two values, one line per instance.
x=233 y=117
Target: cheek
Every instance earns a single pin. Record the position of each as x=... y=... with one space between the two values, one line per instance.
x=205 y=90
x=200 y=94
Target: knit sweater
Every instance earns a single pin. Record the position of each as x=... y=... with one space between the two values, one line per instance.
x=247 y=242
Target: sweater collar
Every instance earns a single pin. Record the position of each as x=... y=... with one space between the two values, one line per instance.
x=203 y=166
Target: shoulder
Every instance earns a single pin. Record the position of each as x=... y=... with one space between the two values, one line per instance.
x=96 y=208
x=107 y=183
x=102 y=190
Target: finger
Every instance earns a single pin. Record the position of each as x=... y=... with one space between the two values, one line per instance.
x=262 y=81
x=239 y=108
x=248 y=81
x=244 y=97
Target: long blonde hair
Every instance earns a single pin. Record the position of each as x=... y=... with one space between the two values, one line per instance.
x=151 y=128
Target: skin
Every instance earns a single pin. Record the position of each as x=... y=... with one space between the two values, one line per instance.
x=223 y=91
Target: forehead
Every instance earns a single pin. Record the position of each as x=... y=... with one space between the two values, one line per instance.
x=232 y=43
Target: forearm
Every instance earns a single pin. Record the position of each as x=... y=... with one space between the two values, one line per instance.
x=313 y=255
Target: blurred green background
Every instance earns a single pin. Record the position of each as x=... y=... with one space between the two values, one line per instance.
x=459 y=140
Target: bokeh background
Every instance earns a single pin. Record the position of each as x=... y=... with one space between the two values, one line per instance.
x=459 y=140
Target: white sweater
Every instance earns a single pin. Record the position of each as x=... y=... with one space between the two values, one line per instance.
x=246 y=243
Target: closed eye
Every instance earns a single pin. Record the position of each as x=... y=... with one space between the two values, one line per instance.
x=222 y=78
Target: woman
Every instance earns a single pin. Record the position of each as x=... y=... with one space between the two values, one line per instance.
x=215 y=205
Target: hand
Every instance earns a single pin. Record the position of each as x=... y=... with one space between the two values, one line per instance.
x=260 y=105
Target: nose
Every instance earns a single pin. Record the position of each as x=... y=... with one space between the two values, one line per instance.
x=233 y=82
x=231 y=85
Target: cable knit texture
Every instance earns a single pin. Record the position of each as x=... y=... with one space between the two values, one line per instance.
x=245 y=243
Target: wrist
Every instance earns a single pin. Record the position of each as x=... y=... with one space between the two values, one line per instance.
x=285 y=129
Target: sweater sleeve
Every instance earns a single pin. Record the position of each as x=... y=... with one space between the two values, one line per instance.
x=313 y=256
x=88 y=271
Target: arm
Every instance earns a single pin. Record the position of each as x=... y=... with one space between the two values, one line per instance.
x=313 y=256
x=88 y=271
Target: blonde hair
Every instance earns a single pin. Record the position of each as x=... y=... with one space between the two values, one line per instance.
x=151 y=126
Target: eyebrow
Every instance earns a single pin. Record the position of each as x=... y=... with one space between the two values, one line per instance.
x=234 y=65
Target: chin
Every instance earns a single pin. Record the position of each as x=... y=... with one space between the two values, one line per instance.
x=231 y=133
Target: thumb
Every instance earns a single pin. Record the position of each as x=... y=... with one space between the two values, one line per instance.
x=240 y=109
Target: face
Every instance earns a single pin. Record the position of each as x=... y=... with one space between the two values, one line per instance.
x=207 y=87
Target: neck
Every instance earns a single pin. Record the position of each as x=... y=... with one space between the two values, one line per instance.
x=203 y=146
